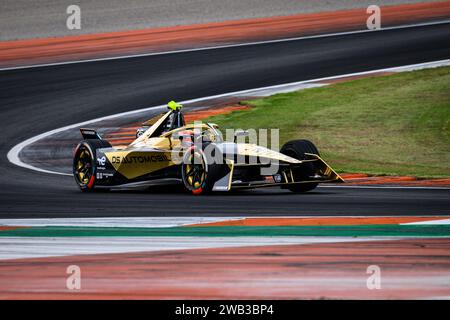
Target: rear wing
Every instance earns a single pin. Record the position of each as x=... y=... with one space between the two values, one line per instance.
x=90 y=134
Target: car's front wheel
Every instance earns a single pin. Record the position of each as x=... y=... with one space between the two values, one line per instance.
x=199 y=172
x=297 y=149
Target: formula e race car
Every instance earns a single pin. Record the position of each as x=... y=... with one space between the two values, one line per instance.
x=167 y=151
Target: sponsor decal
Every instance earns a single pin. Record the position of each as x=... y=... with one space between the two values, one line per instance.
x=221 y=188
x=89 y=132
x=139 y=159
x=101 y=161
x=101 y=175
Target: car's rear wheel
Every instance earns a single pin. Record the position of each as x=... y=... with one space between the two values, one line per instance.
x=84 y=163
x=199 y=173
x=297 y=149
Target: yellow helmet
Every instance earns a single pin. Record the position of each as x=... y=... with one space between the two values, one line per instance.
x=172 y=105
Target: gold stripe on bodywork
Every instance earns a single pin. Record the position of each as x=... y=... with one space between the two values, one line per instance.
x=230 y=164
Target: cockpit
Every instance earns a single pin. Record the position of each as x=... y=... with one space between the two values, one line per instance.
x=170 y=129
x=174 y=120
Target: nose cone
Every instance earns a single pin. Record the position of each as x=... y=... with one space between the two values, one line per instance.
x=229 y=148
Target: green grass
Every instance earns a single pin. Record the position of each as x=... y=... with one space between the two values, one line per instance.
x=396 y=125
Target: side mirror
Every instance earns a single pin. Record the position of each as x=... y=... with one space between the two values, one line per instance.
x=140 y=131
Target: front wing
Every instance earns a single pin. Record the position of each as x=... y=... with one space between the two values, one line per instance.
x=287 y=174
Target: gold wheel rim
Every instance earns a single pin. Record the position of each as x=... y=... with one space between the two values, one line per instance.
x=83 y=167
x=195 y=172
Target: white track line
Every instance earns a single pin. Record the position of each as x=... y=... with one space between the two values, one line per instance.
x=40 y=247
x=167 y=222
x=13 y=154
x=429 y=222
x=230 y=45
x=115 y=222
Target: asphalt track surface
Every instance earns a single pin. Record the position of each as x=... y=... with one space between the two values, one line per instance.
x=36 y=100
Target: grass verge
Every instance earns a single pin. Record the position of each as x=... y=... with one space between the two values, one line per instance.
x=396 y=125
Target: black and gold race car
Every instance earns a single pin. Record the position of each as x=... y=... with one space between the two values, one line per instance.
x=167 y=151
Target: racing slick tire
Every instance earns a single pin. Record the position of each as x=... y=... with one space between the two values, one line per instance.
x=199 y=171
x=297 y=149
x=84 y=169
